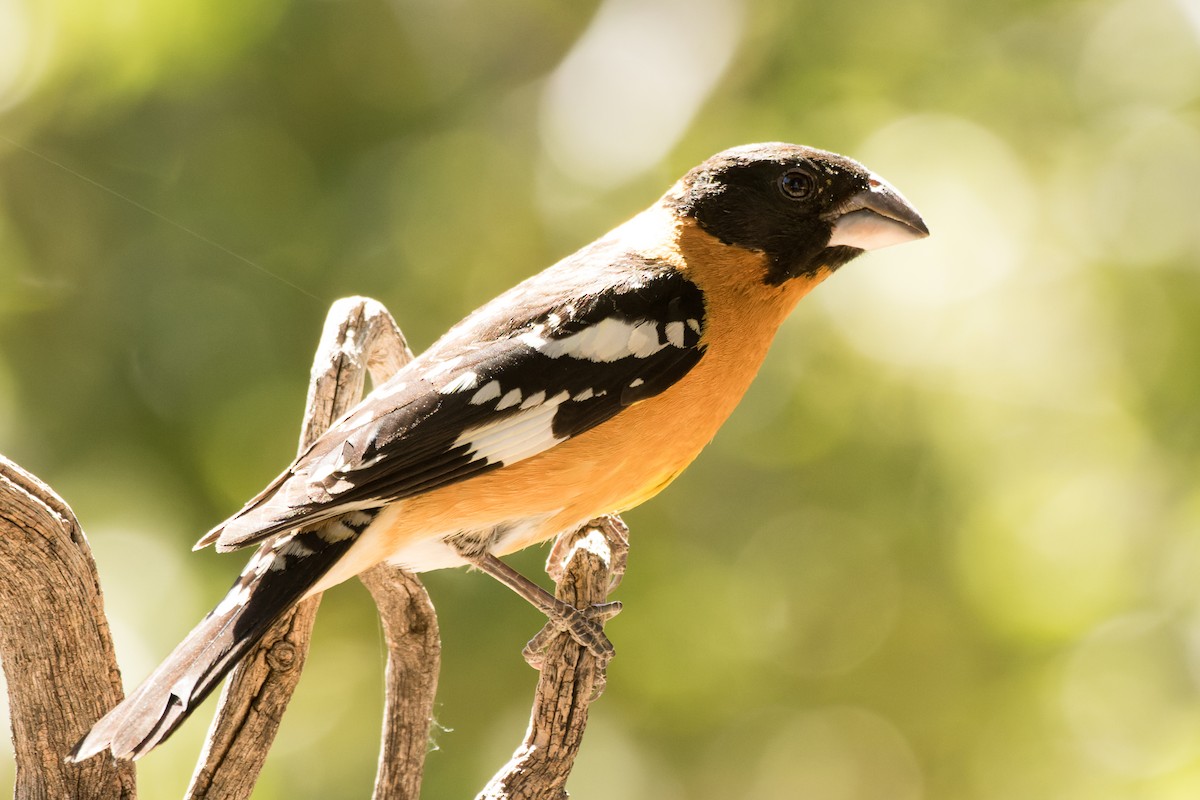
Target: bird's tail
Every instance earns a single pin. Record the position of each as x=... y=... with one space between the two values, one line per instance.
x=277 y=577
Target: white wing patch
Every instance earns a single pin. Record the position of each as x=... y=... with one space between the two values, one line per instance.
x=510 y=399
x=608 y=340
x=292 y=547
x=675 y=333
x=514 y=438
x=534 y=399
x=490 y=391
x=643 y=340
x=465 y=381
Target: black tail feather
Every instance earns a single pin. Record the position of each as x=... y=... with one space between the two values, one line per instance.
x=277 y=577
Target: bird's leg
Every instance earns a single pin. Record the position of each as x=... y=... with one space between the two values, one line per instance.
x=583 y=626
x=612 y=547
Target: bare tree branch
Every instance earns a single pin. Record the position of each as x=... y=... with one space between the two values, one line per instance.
x=588 y=564
x=414 y=654
x=359 y=336
x=58 y=657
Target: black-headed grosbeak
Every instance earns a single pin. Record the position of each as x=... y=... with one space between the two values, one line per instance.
x=582 y=391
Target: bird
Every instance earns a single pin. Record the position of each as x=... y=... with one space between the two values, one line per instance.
x=584 y=390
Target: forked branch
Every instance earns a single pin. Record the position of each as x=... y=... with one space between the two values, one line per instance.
x=359 y=337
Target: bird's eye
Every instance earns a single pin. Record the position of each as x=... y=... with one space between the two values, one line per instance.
x=797 y=184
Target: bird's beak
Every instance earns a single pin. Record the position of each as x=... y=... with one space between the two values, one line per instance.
x=876 y=217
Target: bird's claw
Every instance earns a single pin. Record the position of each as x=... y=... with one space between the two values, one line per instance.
x=585 y=626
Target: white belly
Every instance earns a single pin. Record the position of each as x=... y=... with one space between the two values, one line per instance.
x=430 y=552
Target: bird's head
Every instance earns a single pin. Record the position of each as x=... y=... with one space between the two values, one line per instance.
x=808 y=210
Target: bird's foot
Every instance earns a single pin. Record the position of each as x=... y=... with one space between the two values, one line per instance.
x=585 y=626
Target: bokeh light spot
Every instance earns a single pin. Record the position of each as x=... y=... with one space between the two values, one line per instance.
x=1053 y=553
x=1143 y=190
x=1142 y=52
x=975 y=195
x=838 y=753
x=1131 y=696
x=22 y=56
x=834 y=594
x=627 y=91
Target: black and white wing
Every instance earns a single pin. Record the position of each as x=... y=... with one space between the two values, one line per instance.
x=469 y=406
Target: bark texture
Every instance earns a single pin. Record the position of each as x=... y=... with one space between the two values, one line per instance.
x=55 y=646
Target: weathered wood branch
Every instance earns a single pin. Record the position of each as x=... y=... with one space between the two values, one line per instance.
x=414 y=649
x=587 y=565
x=359 y=337
x=55 y=646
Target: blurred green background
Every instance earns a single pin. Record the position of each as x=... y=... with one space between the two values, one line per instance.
x=949 y=546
